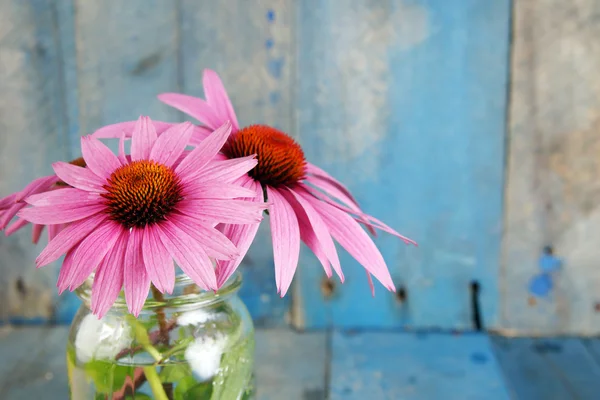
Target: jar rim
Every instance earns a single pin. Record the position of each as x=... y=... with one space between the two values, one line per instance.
x=199 y=298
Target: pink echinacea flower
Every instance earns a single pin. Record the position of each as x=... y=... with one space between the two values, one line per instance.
x=305 y=203
x=130 y=217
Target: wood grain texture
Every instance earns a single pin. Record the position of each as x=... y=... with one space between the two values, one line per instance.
x=126 y=54
x=250 y=45
x=291 y=365
x=553 y=173
x=32 y=135
x=405 y=102
x=414 y=366
x=553 y=368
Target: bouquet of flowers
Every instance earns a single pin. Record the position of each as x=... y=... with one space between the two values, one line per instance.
x=186 y=195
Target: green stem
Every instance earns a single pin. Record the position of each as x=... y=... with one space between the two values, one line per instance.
x=163 y=329
x=155 y=383
x=160 y=315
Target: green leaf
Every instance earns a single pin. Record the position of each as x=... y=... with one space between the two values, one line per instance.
x=189 y=389
x=175 y=372
x=107 y=377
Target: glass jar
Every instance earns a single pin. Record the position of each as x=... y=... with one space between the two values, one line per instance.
x=189 y=345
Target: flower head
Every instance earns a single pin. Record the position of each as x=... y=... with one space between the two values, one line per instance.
x=130 y=216
x=306 y=203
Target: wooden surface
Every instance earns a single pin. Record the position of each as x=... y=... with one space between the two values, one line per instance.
x=478 y=141
x=420 y=366
x=553 y=172
x=32 y=126
x=355 y=365
x=405 y=101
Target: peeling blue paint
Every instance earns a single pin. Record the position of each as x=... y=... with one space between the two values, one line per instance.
x=275 y=67
x=274 y=97
x=269 y=43
x=271 y=15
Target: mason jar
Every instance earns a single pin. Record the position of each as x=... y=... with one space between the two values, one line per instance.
x=190 y=345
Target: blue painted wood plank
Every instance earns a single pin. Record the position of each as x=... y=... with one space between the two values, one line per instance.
x=414 y=366
x=406 y=102
x=528 y=373
x=33 y=135
x=250 y=46
x=127 y=53
x=575 y=363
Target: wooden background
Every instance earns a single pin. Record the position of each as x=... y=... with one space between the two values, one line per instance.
x=470 y=125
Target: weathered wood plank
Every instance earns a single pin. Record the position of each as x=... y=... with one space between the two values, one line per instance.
x=574 y=362
x=291 y=365
x=553 y=179
x=414 y=366
x=405 y=102
x=527 y=373
x=250 y=45
x=42 y=372
x=32 y=135
x=127 y=53
x=288 y=364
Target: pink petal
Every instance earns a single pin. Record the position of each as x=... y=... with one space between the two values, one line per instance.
x=371 y=286
x=8 y=201
x=216 y=97
x=215 y=243
x=194 y=107
x=199 y=134
x=142 y=139
x=64 y=196
x=136 y=279
x=37 y=232
x=159 y=264
x=115 y=131
x=15 y=226
x=91 y=251
x=7 y=215
x=53 y=230
x=241 y=236
x=285 y=233
x=223 y=211
x=122 y=157
x=66 y=271
x=225 y=171
x=204 y=152
x=78 y=177
x=215 y=190
x=363 y=218
x=336 y=190
x=354 y=239
x=60 y=213
x=108 y=279
x=98 y=158
x=37 y=186
x=188 y=254
x=171 y=144
x=68 y=238
x=332 y=185
x=315 y=224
